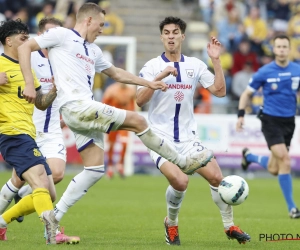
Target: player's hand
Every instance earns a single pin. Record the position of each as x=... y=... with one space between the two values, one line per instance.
x=158 y=85
x=3 y=78
x=167 y=71
x=29 y=93
x=214 y=48
x=240 y=124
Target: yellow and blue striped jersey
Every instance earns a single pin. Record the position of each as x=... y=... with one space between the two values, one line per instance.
x=15 y=111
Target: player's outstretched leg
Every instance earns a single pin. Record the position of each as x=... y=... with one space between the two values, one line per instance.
x=187 y=164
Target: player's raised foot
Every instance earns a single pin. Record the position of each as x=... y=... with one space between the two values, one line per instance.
x=110 y=172
x=17 y=198
x=51 y=224
x=171 y=233
x=61 y=238
x=295 y=213
x=197 y=160
x=3 y=233
x=234 y=232
x=245 y=164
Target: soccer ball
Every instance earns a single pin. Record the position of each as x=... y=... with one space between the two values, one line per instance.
x=233 y=190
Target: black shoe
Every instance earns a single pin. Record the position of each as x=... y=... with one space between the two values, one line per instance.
x=172 y=234
x=234 y=232
x=245 y=164
x=17 y=199
x=295 y=213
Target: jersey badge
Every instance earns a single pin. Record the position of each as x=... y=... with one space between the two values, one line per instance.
x=36 y=152
x=108 y=110
x=190 y=73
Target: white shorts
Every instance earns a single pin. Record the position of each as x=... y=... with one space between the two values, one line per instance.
x=89 y=119
x=184 y=148
x=51 y=145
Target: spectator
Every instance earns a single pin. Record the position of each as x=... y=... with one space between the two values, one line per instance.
x=282 y=14
x=62 y=7
x=256 y=29
x=243 y=55
x=224 y=7
x=47 y=11
x=230 y=30
x=294 y=24
x=241 y=80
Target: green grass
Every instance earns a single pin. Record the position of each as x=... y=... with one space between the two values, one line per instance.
x=128 y=214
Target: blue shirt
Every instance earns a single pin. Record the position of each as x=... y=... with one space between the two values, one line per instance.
x=280 y=86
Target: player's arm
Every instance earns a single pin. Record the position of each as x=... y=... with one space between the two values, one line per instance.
x=214 y=50
x=143 y=95
x=24 y=53
x=43 y=101
x=244 y=100
x=120 y=75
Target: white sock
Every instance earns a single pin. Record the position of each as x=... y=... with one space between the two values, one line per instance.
x=77 y=188
x=160 y=146
x=174 y=199
x=8 y=192
x=225 y=209
x=25 y=190
x=2 y=222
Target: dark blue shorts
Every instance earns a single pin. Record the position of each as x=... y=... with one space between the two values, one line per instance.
x=22 y=153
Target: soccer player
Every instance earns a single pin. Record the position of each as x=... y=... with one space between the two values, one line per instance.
x=17 y=133
x=121 y=96
x=49 y=136
x=74 y=59
x=171 y=116
x=280 y=82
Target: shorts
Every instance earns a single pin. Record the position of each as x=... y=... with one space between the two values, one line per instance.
x=89 y=119
x=184 y=148
x=22 y=153
x=277 y=130
x=51 y=145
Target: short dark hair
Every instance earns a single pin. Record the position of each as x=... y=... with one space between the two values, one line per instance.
x=46 y=20
x=282 y=37
x=173 y=20
x=12 y=27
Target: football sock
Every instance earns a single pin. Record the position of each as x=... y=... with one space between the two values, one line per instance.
x=25 y=190
x=41 y=200
x=160 y=146
x=174 y=199
x=226 y=210
x=8 y=192
x=261 y=160
x=285 y=181
x=23 y=207
x=77 y=188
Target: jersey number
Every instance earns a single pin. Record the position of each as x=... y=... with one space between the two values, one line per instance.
x=62 y=148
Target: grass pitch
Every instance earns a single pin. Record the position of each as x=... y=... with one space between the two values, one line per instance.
x=128 y=214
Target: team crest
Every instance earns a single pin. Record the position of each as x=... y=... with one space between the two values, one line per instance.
x=108 y=110
x=36 y=152
x=190 y=73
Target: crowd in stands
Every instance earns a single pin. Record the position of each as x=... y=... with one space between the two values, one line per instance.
x=246 y=30
x=244 y=27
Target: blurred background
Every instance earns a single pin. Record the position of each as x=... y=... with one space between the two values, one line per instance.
x=131 y=38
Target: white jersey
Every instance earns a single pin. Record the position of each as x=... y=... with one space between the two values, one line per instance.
x=73 y=61
x=47 y=121
x=172 y=112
